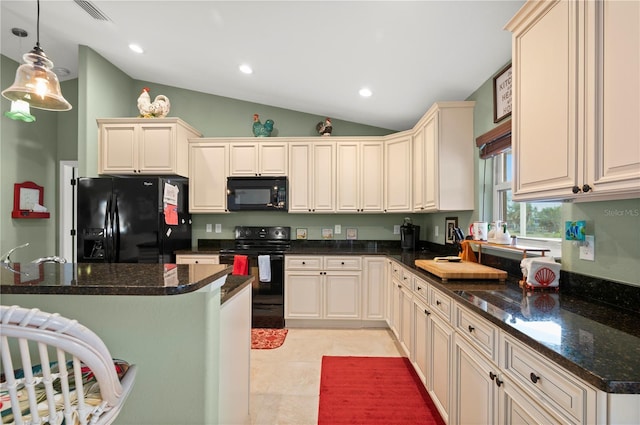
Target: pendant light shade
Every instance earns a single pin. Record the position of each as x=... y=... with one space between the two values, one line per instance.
x=35 y=81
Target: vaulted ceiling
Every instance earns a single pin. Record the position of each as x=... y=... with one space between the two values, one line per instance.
x=309 y=56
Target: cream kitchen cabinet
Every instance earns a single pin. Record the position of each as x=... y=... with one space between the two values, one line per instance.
x=441 y=343
x=398 y=172
x=208 y=171
x=360 y=171
x=443 y=158
x=584 y=144
x=144 y=146
x=197 y=259
x=322 y=287
x=374 y=287
x=312 y=177
x=251 y=158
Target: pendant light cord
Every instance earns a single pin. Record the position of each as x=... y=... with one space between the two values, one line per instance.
x=38 y=27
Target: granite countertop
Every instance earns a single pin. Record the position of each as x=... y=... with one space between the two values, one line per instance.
x=597 y=343
x=232 y=285
x=109 y=279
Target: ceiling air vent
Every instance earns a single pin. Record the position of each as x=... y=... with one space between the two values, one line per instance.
x=92 y=10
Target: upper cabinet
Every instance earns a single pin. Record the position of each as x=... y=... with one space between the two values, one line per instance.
x=252 y=158
x=397 y=172
x=443 y=158
x=360 y=170
x=144 y=146
x=208 y=171
x=575 y=119
x=312 y=177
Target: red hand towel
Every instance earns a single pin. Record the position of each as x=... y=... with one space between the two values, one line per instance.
x=240 y=265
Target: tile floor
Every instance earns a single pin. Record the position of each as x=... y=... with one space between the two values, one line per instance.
x=285 y=381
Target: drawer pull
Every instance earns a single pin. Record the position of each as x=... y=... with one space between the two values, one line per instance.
x=427 y=312
x=419 y=288
x=342 y=263
x=438 y=302
x=404 y=278
x=492 y=375
x=399 y=286
x=534 y=378
x=499 y=382
x=303 y=263
x=471 y=328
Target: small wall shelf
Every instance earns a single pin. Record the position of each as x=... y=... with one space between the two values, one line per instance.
x=25 y=196
x=518 y=248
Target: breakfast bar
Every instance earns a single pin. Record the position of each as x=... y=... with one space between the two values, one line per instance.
x=165 y=318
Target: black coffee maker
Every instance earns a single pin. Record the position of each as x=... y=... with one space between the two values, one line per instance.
x=409 y=236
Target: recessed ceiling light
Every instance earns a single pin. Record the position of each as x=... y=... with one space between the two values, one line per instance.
x=136 y=48
x=246 y=69
x=365 y=92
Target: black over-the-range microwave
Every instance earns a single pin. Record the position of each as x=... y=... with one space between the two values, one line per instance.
x=257 y=193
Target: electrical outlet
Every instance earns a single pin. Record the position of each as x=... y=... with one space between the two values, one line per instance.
x=588 y=248
x=396 y=229
x=436 y=231
x=218 y=228
x=208 y=228
x=338 y=229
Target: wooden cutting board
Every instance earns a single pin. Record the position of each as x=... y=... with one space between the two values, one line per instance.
x=461 y=270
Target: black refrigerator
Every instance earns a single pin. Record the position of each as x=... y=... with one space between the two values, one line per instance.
x=131 y=220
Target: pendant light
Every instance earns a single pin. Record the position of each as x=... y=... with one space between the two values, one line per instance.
x=35 y=81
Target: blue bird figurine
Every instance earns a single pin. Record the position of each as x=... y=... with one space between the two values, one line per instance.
x=262 y=130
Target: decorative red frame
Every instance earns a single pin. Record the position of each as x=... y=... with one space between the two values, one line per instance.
x=17 y=212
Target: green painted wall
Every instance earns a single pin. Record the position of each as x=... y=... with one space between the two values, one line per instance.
x=28 y=152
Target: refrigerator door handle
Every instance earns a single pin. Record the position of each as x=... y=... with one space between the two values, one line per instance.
x=115 y=231
x=107 y=229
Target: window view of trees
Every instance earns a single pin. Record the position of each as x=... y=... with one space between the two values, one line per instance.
x=541 y=219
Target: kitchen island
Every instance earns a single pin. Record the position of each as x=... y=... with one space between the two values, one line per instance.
x=164 y=318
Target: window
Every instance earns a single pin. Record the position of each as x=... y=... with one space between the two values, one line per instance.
x=537 y=223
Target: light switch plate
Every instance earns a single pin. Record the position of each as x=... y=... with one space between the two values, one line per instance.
x=396 y=229
x=218 y=228
x=338 y=229
x=208 y=228
x=436 y=231
x=588 y=248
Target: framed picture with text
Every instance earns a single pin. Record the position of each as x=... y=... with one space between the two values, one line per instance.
x=502 y=94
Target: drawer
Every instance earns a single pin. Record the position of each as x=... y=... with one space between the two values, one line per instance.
x=441 y=303
x=396 y=271
x=480 y=332
x=557 y=387
x=302 y=263
x=421 y=289
x=197 y=259
x=343 y=263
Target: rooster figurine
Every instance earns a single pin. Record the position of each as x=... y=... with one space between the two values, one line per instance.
x=159 y=108
x=324 y=127
x=262 y=130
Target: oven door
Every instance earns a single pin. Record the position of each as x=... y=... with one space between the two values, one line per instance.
x=268 y=294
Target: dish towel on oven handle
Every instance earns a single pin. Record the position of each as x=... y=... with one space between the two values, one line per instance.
x=240 y=265
x=264 y=268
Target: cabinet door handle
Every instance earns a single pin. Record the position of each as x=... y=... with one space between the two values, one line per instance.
x=575 y=189
x=342 y=263
x=586 y=188
x=471 y=328
x=419 y=288
x=534 y=378
x=427 y=312
x=492 y=375
x=399 y=286
x=499 y=382
x=196 y=261
x=438 y=302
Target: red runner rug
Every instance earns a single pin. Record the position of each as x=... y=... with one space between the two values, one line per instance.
x=373 y=390
x=267 y=338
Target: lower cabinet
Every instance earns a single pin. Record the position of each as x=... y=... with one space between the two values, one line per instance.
x=322 y=287
x=374 y=288
x=440 y=341
x=476 y=386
